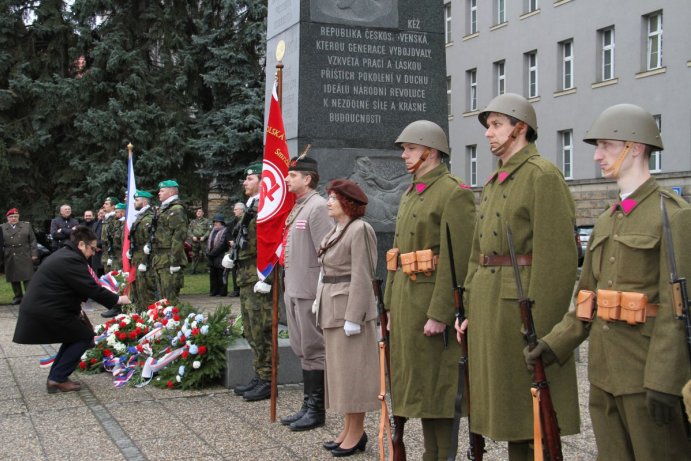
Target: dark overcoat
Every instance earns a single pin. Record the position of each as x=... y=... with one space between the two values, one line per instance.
x=50 y=310
x=19 y=245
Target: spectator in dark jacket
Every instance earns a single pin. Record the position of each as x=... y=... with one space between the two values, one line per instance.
x=51 y=312
x=61 y=227
x=216 y=248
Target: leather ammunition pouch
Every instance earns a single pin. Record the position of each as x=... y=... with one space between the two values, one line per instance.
x=585 y=305
x=392 y=259
x=413 y=263
x=626 y=306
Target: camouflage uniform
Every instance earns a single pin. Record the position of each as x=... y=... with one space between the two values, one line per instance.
x=169 y=249
x=255 y=307
x=118 y=237
x=108 y=236
x=145 y=283
x=200 y=228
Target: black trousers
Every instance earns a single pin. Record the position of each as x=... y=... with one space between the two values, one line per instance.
x=216 y=285
x=17 y=289
x=67 y=359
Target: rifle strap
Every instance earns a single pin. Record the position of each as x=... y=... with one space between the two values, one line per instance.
x=537 y=425
x=384 y=423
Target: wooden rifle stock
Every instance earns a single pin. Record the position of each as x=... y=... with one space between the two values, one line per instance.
x=398 y=421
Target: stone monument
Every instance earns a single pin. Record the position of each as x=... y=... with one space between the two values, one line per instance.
x=356 y=73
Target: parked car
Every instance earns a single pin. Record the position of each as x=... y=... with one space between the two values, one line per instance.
x=583 y=233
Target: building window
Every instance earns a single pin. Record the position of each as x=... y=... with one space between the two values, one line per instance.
x=530 y=5
x=655 y=163
x=607 y=54
x=472 y=164
x=566 y=149
x=472 y=17
x=531 y=73
x=499 y=78
x=566 y=52
x=447 y=22
x=448 y=96
x=471 y=77
x=654 y=53
x=500 y=11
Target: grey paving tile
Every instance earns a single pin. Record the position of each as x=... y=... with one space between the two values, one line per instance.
x=12 y=406
x=180 y=447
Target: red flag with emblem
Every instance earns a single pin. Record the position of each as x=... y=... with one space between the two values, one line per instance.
x=275 y=202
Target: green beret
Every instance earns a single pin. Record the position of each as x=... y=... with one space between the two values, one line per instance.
x=255 y=168
x=168 y=183
x=120 y=206
x=143 y=194
x=113 y=200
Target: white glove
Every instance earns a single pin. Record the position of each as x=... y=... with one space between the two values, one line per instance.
x=261 y=287
x=141 y=267
x=147 y=249
x=174 y=269
x=129 y=254
x=109 y=262
x=351 y=328
x=227 y=262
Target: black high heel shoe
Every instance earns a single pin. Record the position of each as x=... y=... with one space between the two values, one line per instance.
x=360 y=446
x=331 y=445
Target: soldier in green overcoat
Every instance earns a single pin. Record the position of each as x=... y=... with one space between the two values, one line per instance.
x=529 y=194
x=168 y=252
x=636 y=366
x=255 y=297
x=19 y=253
x=424 y=370
x=145 y=291
x=197 y=234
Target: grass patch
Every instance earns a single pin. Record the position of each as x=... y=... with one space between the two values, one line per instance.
x=6 y=293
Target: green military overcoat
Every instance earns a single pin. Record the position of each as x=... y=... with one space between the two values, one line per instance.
x=19 y=248
x=529 y=194
x=424 y=373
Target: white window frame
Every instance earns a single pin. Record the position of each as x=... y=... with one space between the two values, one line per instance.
x=607 y=51
x=500 y=78
x=654 y=51
x=447 y=23
x=501 y=11
x=566 y=147
x=567 y=62
x=532 y=74
x=531 y=5
x=448 y=96
x=471 y=152
x=655 y=163
x=472 y=17
x=472 y=89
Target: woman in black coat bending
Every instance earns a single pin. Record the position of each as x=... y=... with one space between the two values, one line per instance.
x=51 y=309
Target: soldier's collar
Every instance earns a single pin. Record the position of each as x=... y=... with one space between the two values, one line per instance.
x=631 y=202
x=422 y=183
x=506 y=170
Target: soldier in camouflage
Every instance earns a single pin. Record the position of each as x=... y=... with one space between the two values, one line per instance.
x=107 y=233
x=168 y=251
x=140 y=233
x=118 y=230
x=255 y=300
x=197 y=235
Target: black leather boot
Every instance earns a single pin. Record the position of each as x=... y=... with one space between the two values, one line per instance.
x=315 y=415
x=301 y=412
x=241 y=389
x=261 y=391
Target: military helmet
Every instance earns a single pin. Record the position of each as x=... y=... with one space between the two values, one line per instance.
x=512 y=105
x=424 y=133
x=625 y=122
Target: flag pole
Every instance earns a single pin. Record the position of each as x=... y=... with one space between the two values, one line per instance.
x=280 y=51
x=128 y=285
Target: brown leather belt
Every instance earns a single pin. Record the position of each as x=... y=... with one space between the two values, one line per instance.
x=505 y=260
x=335 y=278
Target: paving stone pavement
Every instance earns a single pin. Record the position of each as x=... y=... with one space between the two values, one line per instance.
x=101 y=422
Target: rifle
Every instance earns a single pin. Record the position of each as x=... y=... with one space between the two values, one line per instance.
x=476 y=446
x=680 y=296
x=395 y=442
x=549 y=426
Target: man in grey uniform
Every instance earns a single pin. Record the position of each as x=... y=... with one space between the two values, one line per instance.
x=306 y=226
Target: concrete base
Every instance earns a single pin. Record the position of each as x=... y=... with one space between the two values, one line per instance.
x=239 y=369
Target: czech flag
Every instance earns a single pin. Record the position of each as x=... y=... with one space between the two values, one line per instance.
x=130 y=216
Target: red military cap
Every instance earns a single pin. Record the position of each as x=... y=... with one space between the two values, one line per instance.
x=349 y=189
x=11 y=211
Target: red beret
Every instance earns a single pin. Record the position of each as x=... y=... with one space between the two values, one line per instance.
x=12 y=211
x=349 y=189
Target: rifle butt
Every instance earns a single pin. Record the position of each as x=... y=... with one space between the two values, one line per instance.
x=550 y=425
x=398 y=446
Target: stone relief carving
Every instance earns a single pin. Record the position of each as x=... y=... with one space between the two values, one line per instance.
x=378 y=13
x=384 y=180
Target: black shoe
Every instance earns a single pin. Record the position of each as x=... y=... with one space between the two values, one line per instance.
x=235 y=294
x=239 y=390
x=360 y=446
x=261 y=391
x=315 y=416
x=331 y=445
x=16 y=301
x=286 y=421
x=213 y=294
x=111 y=312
